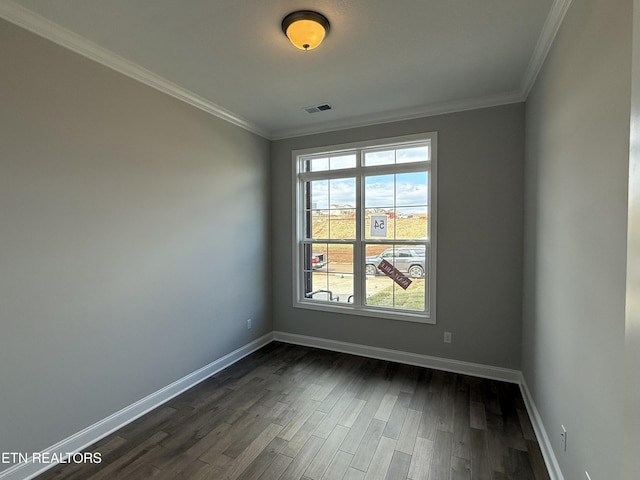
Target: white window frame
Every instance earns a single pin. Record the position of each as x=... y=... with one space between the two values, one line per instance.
x=299 y=177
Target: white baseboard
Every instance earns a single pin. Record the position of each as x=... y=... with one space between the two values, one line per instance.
x=541 y=433
x=456 y=366
x=99 y=430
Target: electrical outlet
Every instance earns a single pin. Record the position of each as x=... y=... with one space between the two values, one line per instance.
x=248 y=324
x=563 y=438
x=447 y=337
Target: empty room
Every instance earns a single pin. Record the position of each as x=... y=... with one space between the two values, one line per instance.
x=319 y=240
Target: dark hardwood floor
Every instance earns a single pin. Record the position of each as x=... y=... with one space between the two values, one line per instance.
x=291 y=412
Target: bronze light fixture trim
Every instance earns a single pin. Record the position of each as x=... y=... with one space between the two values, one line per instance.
x=305 y=28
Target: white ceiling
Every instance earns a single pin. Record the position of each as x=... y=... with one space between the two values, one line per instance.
x=383 y=60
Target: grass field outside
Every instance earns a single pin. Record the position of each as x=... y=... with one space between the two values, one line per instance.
x=343 y=227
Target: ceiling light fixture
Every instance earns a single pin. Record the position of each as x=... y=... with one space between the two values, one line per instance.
x=305 y=29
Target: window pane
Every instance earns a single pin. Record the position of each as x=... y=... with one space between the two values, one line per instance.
x=340 y=270
x=411 y=223
x=318 y=257
x=411 y=189
x=343 y=161
x=316 y=277
x=316 y=201
x=382 y=290
x=320 y=288
x=412 y=298
x=330 y=276
x=379 y=191
x=412 y=198
x=318 y=195
x=330 y=208
x=342 y=216
x=317 y=164
x=379 y=158
x=401 y=202
x=342 y=193
x=378 y=285
x=413 y=154
x=409 y=260
x=394 y=156
x=373 y=257
x=379 y=223
x=342 y=224
x=325 y=163
x=340 y=259
x=318 y=225
x=379 y=291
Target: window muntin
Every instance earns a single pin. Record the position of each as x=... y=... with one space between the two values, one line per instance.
x=339 y=193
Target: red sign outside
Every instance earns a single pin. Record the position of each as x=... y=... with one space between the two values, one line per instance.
x=395 y=274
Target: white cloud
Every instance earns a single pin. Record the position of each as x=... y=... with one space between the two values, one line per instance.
x=411 y=190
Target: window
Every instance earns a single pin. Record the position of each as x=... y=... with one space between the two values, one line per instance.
x=365 y=228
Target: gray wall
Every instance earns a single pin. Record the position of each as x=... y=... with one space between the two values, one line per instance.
x=132 y=236
x=577 y=151
x=632 y=336
x=480 y=227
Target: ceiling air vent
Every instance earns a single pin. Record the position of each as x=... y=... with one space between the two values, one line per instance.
x=318 y=108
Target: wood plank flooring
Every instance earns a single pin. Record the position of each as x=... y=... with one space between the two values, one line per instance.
x=288 y=413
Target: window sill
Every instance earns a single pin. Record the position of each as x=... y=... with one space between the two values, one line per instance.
x=367 y=312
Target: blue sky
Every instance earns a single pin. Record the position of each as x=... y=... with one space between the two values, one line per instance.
x=411 y=190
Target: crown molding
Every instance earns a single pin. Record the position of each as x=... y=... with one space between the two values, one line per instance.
x=45 y=28
x=400 y=115
x=545 y=40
